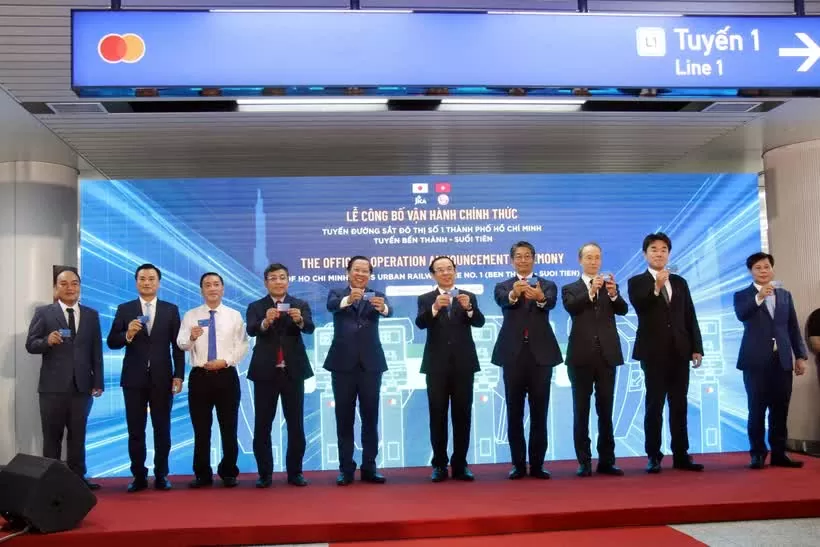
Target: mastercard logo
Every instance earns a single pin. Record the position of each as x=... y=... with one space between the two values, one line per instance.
x=121 y=48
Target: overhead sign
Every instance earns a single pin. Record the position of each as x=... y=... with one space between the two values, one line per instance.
x=354 y=48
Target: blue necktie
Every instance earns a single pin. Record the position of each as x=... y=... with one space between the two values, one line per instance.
x=212 y=337
x=770 y=305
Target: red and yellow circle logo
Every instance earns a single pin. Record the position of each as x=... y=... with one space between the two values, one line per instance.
x=121 y=48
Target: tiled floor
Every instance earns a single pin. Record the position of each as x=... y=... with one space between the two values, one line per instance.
x=762 y=533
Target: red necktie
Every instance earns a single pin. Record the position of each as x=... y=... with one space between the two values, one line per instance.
x=280 y=355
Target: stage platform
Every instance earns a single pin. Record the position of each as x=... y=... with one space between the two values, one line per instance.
x=410 y=506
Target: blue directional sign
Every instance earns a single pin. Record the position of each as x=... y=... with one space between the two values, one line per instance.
x=189 y=49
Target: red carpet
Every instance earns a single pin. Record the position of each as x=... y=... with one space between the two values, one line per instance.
x=411 y=507
x=638 y=536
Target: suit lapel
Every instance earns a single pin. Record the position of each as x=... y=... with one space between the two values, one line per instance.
x=83 y=316
x=779 y=300
x=57 y=310
x=157 y=313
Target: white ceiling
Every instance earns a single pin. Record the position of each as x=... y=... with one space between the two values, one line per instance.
x=35 y=67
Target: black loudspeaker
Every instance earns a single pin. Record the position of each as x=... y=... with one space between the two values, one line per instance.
x=44 y=494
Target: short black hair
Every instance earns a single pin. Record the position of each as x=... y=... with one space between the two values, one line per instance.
x=518 y=244
x=64 y=270
x=757 y=257
x=588 y=244
x=206 y=274
x=441 y=257
x=652 y=238
x=359 y=257
x=147 y=266
x=275 y=267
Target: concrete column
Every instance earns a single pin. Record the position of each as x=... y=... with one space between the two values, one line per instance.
x=38 y=228
x=792 y=180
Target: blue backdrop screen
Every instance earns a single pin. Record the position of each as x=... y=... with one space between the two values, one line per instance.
x=238 y=226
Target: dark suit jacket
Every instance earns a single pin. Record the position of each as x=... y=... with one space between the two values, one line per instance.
x=526 y=314
x=282 y=333
x=759 y=329
x=448 y=335
x=355 y=334
x=593 y=325
x=79 y=358
x=664 y=327
x=159 y=347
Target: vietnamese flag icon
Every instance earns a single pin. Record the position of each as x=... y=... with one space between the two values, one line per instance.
x=443 y=187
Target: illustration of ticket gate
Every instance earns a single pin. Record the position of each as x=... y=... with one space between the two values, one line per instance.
x=394 y=334
x=629 y=388
x=708 y=385
x=482 y=442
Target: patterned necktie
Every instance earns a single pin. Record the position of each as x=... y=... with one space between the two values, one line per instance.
x=770 y=305
x=212 y=336
x=72 y=325
x=150 y=315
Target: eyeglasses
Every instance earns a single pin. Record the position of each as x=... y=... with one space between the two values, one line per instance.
x=444 y=270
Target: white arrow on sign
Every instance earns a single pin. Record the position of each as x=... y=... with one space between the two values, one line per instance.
x=811 y=52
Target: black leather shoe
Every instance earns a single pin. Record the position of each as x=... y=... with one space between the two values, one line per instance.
x=162 y=483
x=200 y=483
x=230 y=482
x=539 y=473
x=463 y=475
x=439 y=474
x=264 y=482
x=344 y=479
x=653 y=466
x=137 y=485
x=785 y=461
x=584 y=470
x=516 y=473
x=686 y=464
x=610 y=470
x=297 y=480
x=758 y=462
x=373 y=477
x=91 y=485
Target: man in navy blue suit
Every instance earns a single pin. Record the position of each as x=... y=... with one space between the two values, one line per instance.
x=771 y=335
x=356 y=362
x=152 y=372
x=279 y=368
x=527 y=351
x=68 y=337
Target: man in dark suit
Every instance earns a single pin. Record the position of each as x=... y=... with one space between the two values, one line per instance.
x=527 y=351
x=593 y=353
x=450 y=362
x=771 y=335
x=279 y=367
x=67 y=335
x=152 y=372
x=668 y=338
x=356 y=362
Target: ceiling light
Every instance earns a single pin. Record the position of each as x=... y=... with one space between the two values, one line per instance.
x=532 y=102
x=313 y=104
x=463 y=104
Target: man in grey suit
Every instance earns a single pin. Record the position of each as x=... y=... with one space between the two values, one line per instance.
x=68 y=337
